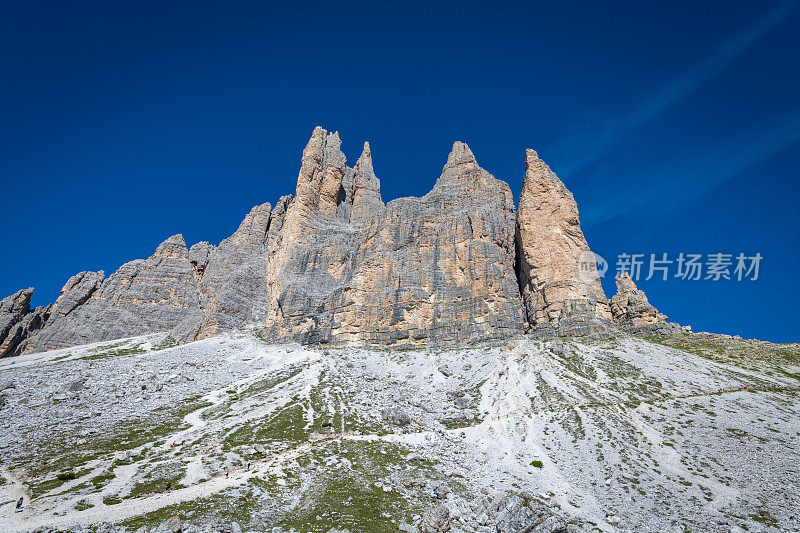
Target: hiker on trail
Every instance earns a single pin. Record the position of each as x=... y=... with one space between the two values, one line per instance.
x=226 y=472
x=169 y=485
x=248 y=466
x=19 y=505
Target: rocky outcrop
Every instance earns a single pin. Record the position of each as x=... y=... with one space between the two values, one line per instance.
x=334 y=264
x=77 y=291
x=12 y=309
x=630 y=305
x=550 y=249
x=436 y=520
x=143 y=296
x=199 y=255
x=18 y=322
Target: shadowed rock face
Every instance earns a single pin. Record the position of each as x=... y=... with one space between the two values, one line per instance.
x=550 y=243
x=333 y=263
x=232 y=277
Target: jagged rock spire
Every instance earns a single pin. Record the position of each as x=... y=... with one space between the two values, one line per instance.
x=460 y=155
x=461 y=172
x=253 y=229
x=322 y=170
x=549 y=246
x=364 y=163
x=366 y=187
x=438 y=267
x=76 y=291
x=17 y=303
x=17 y=321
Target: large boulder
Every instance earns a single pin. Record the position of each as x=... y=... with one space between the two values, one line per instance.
x=436 y=520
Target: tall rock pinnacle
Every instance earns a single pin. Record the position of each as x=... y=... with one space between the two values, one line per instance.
x=366 y=187
x=460 y=155
x=549 y=247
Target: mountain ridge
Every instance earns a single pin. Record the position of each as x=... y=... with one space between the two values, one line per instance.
x=335 y=264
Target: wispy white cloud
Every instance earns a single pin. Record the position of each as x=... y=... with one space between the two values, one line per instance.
x=584 y=149
x=685 y=179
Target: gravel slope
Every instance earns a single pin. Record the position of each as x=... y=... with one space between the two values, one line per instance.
x=620 y=434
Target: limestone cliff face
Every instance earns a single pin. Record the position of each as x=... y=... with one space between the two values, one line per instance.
x=550 y=243
x=231 y=279
x=334 y=264
x=351 y=269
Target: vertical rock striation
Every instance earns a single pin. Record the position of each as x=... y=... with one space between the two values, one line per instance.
x=231 y=279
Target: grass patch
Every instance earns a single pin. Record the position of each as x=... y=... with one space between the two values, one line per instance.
x=82 y=505
x=763 y=517
x=41 y=485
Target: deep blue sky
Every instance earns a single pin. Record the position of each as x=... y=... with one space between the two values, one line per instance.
x=676 y=125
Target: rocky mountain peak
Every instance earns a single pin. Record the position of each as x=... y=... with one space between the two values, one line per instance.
x=461 y=174
x=366 y=187
x=19 y=302
x=172 y=247
x=364 y=163
x=253 y=229
x=460 y=155
x=541 y=182
x=334 y=264
x=322 y=170
x=76 y=291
